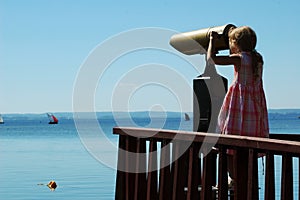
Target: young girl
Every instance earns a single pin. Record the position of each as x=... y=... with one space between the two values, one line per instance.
x=244 y=110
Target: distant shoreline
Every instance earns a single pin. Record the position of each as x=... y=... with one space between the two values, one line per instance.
x=271 y=110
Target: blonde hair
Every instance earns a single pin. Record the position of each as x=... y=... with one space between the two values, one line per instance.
x=244 y=38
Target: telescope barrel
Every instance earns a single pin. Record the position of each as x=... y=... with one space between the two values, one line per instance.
x=196 y=42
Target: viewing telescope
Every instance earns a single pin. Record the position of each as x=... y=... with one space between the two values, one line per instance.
x=196 y=42
x=209 y=88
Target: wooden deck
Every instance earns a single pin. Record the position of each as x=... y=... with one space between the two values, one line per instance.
x=178 y=173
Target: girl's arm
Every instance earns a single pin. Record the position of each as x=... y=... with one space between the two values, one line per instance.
x=233 y=59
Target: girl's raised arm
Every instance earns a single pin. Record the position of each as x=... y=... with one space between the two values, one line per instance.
x=233 y=59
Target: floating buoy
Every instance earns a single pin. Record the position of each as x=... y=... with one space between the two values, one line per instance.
x=52 y=185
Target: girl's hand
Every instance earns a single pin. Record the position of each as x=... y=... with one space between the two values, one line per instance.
x=213 y=35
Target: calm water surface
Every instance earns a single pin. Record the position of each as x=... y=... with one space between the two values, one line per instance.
x=33 y=152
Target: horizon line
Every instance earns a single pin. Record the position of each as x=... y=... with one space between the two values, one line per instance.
x=131 y=111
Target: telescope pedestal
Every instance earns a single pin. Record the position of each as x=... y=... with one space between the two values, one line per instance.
x=209 y=92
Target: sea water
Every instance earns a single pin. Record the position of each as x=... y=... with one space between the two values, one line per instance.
x=32 y=153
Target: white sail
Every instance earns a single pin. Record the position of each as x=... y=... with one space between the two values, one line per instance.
x=1 y=120
x=50 y=117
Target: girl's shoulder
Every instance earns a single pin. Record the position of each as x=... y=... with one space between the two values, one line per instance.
x=246 y=53
x=246 y=57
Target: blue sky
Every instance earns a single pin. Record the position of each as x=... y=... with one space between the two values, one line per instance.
x=45 y=42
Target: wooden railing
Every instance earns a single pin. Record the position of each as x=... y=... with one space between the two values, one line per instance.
x=146 y=177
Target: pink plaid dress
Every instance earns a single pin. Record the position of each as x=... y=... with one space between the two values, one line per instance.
x=244 y=110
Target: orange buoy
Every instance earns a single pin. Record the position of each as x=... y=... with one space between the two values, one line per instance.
x=52 y=185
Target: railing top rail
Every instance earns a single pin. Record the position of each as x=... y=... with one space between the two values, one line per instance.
x=265 y=144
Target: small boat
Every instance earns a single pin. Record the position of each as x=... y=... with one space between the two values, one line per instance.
x=52 y=119
x=1 y=119
x=186 y=117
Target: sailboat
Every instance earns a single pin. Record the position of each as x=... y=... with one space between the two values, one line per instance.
x=52 y=119
x=186 y=117
x=1 y=119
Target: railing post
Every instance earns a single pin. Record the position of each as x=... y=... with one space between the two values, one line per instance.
x=287 y=177
x=240 y=174
x=223 y=177
x=152 y=192
x=165 y=180
x=180 y=170
x=131 y=146
x=140 y=176
x=190 y=171
x=194 y=172
x=209 y=175
x=252 y=176
x=120 y=179
x=174 y=169
x=270 y=177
